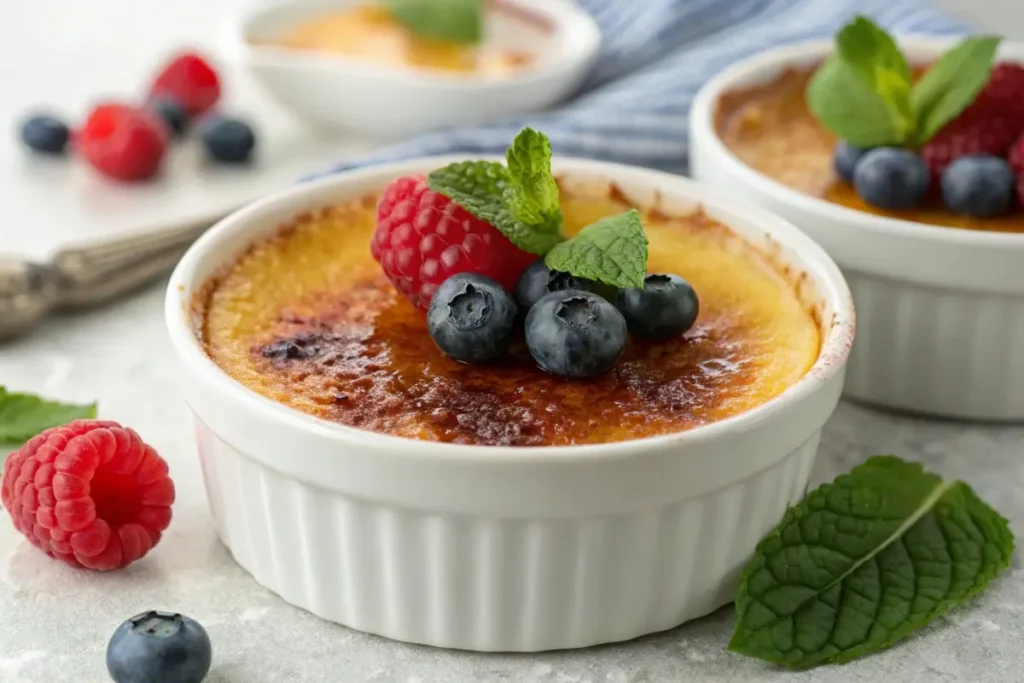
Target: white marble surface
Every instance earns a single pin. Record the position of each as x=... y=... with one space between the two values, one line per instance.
x=54 y=621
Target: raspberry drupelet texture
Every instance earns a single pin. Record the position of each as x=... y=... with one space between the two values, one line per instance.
x=90 y=493
x=423 y=238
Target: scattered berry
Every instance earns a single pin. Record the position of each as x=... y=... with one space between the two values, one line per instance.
x=1004 y=91
x=45 y=134
x=980 y=186
x=90 y=493
x=971 y=133
x=172 y=114
x=229 y=141
x=159 y=647
x=190 y=81
x=423 y=238
x=123 y=142
x=891 y=178
x=471 y=318
x=667 y=306
x=537 y=281
x=575 y=333
x=845 y=159
x=1016 y=160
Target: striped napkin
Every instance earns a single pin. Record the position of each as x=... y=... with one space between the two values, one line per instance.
x=655 y=56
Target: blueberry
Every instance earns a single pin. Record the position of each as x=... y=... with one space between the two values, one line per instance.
x=978 y=185
x=845 y=158
x=172 y=114
x=159 y=647
x=891 y=178
x=575 y=333
x=45 y=134
x=538 y=281
x=665 y=307
x=230 y=141
x=471 y=318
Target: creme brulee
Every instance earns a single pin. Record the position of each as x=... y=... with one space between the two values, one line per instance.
x=307 y=319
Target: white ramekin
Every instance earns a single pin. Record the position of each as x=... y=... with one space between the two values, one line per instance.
x=490 y=548
x=940 y=311
x=338 y=92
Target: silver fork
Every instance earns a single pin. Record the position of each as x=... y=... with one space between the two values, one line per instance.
x=86 y=276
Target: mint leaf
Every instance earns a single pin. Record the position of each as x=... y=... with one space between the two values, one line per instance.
x=476 y=186
x=864 y=561
x=952 y=83
x=866 y=47
x=846 y=105
x=533 y=195
x=613 y=251
x=22 y=416
x=452 y=21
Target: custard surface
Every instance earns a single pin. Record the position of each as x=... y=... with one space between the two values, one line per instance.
x=370 y=34
x=307 y=319
x=771 y=129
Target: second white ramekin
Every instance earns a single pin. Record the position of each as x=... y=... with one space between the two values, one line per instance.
x=940 y=311
x=490 y=548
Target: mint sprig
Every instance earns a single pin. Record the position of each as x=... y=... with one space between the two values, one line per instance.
x=452 y=21
x=864 y=92
x=22 y=416
x=863 y=562
x=613 y=250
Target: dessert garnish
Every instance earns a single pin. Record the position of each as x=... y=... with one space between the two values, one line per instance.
x=863 y=562
x=157 y=646
x=452 y=21
x=229 y=141
x=892 y=126
x=89 y=492
x=503 y=223
x=45 y=134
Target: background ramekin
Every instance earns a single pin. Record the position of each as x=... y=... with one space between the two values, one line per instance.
x=489 y=548
x=338 y=92
x=940 y=311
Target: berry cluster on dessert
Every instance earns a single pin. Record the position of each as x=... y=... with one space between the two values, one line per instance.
x=128 y=142
x=479 y=246
x=952 y=131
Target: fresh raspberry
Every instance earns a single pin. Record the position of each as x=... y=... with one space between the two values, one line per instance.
x=90 y=493
x=1004 y=91
x=971 y=133
x=423 y=238
x=123 y=142
x=190 y=81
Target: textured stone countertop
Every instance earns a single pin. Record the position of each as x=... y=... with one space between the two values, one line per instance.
x=55 y=621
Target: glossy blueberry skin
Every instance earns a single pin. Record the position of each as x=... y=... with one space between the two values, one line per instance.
x=845 y=158
x=228 y=141
x=667 y=306
x=538 y=281
x=172 y=114
x=45 y=134
x=891 y=178
x=575 y=334
x=978 y=185
x=159 y=647
x=471 y=318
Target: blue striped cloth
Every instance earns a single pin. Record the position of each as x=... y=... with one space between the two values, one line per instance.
x=655 y=56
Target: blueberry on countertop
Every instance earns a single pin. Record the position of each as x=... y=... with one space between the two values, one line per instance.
x=891 y=178
x=45 y=134
x=667 y=306
x=538 y=281
x=471 y=318
x=230 y=141
x=575 y=333
x=845 y=158
x=159 y=647
x=979 y=185
x=172 y=114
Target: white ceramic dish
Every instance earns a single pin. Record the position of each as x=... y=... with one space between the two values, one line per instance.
x=344 y=93
x=940 y=310
x=490 y=548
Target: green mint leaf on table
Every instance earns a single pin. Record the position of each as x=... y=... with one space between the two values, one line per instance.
x=452 y=21
x=862 y=562
x=613 y=251
x=952 y=83
x=22 y=416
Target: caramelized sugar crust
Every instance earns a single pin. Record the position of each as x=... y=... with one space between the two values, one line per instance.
x=771 y=129
x=305 y=318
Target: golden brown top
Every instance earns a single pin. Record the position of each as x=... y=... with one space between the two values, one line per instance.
x=771 y=129
x=307 y=319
